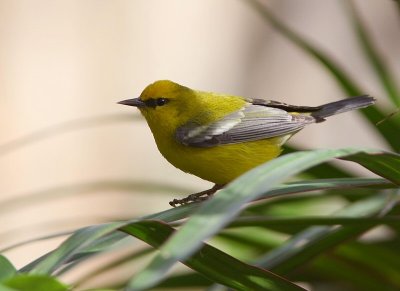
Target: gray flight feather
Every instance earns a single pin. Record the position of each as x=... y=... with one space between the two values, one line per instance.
x=250 y=123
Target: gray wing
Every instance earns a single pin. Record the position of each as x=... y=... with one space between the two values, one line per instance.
x=250 y=123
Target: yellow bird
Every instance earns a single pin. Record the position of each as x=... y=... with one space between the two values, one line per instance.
x=219 y=137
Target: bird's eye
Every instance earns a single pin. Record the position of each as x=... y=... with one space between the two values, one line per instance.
x=154 y=102
x=161 y=101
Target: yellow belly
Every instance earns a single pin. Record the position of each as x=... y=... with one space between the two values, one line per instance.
x=221 y=164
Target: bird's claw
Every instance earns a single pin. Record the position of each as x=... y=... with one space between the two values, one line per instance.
x=195 y=197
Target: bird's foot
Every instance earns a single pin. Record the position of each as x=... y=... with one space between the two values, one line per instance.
x=196 y=197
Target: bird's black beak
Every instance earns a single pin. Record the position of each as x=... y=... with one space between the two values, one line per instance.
x=133 y=102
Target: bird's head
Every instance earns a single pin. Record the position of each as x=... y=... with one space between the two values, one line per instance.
x=165 y=104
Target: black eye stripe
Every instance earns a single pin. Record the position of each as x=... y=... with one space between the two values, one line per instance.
x=154 y=102
x=161 y=101
x=150 y=103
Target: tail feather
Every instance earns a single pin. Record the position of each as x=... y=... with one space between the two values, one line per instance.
x=342 y=106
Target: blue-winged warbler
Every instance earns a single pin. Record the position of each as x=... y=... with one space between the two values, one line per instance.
x=219 y=137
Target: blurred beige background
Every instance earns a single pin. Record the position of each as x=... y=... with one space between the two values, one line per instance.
x=68 y=60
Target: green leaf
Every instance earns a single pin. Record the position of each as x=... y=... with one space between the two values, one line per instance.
x=343 y=79
x=100 y=245
x=35 y=283
x=218 y=211
x=212 y=263
x=372 y=55
x=315 y=240
x=187 y=281
x=387 y=166
x=388 y=129
x=80 y=240
x=312 y=221
x=321 y=171
x=7 y=270
x=112 y=265
x=87 y=239
x=382 y=262
x=5 y=288
x=346 y=275
x=332 y=184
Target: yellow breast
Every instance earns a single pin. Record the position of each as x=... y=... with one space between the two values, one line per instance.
x=220 y=164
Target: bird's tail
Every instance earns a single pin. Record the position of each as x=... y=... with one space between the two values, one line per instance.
x=342 y=106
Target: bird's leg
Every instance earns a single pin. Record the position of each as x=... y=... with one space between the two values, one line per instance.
x=196 y=197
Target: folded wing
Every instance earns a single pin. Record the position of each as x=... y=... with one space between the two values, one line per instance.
x=250 y=123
